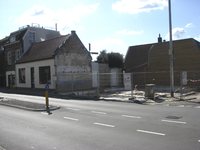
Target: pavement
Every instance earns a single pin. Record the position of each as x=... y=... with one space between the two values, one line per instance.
x=190 y=99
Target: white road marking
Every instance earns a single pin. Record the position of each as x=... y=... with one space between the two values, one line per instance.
x=197 y=107
x=45 y=113
x=174 y=121
x=166 y=104
x=150 y=132
x=74 y=119
x=131 y=116
x=199 y=141
x=97 y=112
x=73 y=109
x=106 y=125
x=180 y=106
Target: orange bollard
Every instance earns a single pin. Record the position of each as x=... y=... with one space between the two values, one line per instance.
x=47 y=99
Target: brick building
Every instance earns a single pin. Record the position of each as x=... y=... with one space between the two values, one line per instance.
x=150 y=63
x=51 y=62
x=18 y=42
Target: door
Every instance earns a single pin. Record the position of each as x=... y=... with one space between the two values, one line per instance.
x=11 y=81
x=32 y=78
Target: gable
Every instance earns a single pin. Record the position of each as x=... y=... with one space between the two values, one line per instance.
x=137 y=56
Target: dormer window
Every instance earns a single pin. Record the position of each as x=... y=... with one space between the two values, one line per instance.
x=12 y=39
x=32 y=37
x=2 y=48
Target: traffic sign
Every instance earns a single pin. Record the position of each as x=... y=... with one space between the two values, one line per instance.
x=47 y=87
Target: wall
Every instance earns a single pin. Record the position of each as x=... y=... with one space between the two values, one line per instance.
x=35 y=65
x=41 y=34
x=73 y=59
x=186 y=58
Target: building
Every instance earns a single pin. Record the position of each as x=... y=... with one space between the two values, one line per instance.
x=3 y=62
x=18 y=42
x=186 y=58
x=51 y=62
x=150 y=63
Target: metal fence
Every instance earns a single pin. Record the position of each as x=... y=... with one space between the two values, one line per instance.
x=123 y=84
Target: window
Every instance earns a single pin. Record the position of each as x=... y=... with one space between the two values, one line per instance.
x=45 y=75
x=2 y=48
x=17 y=54
x=9 y=58
x=32 y=37
x=22 y=75
x=12 y=39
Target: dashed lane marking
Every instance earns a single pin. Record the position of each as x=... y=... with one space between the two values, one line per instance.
x=73 y=109
x=106 y=125
x=74 y=119
x=98 y=112
x=136 y=117
x=174 y=121
x=150 y=132
x=197 y=107
x=181 y=106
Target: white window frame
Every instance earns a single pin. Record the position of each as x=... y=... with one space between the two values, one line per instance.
x=17 y=54
x=12 y=39
x=9 y=58
x=2 y=48
x=32 y=36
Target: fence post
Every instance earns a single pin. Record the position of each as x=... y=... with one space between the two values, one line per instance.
x=181 y=84
x=97 y=83
x=72 y=83
x=131 y=84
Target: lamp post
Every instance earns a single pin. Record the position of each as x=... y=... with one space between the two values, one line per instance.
x=171 y=53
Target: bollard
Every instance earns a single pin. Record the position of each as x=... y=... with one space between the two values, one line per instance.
x=47 y=99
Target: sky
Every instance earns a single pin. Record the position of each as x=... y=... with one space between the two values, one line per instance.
x=111 y=25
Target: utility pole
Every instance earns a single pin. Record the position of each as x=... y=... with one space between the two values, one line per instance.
x=171 y=53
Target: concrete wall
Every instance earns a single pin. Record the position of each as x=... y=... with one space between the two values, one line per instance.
x=35 y=65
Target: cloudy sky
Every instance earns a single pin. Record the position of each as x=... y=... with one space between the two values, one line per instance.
x=113 y=25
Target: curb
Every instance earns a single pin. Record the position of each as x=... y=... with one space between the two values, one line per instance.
x=31 y=109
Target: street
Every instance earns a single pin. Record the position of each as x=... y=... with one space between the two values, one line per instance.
x=89 y=125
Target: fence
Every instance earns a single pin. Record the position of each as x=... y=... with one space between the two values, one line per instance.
x=123 y=84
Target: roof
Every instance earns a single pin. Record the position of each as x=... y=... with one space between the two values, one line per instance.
x=42 y=50
x=136 y=56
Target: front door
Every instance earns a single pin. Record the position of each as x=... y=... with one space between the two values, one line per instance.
x=11 y=81
x=32 y=78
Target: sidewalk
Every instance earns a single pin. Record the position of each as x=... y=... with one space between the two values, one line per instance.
x=192 y=99
x=25 y=104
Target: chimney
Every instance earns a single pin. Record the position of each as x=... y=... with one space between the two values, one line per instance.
x=159 y=39
x=89 y=47
x=56 y=26
x=73 y=32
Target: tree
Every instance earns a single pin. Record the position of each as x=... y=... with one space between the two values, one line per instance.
x=114 y=60
x=103 y=57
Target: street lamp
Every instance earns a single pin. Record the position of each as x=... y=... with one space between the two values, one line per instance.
x=171 y=53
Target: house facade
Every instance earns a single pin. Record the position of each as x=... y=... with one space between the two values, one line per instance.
x=51 y=61
x=150 y=63
x=3 y=63
x=18 y=42
x=186 y=58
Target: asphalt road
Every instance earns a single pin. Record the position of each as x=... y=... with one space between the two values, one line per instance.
x=99 y=125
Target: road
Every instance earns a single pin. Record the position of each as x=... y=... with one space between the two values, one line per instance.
x=90 y=125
